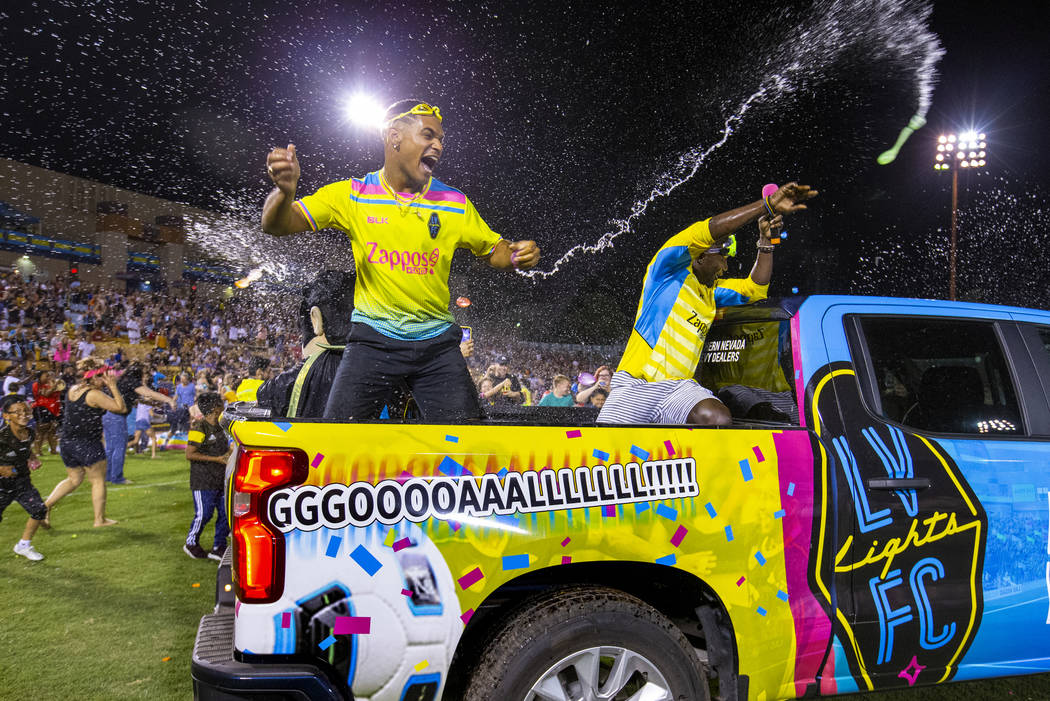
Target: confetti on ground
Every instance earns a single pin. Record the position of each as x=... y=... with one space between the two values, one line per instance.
x=791 y=489
x=667 y=512
x=758 y=453
x=782 y=595
x=670 y=448
x=740 y=581
x=450 y=467
x=676 y=539
x=165 y=659
x=465 y=616
x=352 y=625
x=196 y=585
x=566 y=541
x=404 y=477
x=760 y=557
x=327 y=642
x=573 y=434
x=333 y=546
x=421 y=666
x=729 y=534
x=366 y=560
x=609 y=510
x=283 y=425
x=406 y=592
x=286 y=619
x=402 y=544
x=566 y=559
x=471 y=578
x=452 y=439
x=666 y=560
x=639 y=453
x=761 y=611
x=710 y=509
x=640 y=508
x=745 y=470
x=600 y=454
x=515 y=562
x=779 y=513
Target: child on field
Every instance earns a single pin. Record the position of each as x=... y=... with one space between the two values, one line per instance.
x=207 y=449
x=17 y=460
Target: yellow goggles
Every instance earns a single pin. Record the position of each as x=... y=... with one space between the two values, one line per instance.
x=727 y=248
x=422 y=109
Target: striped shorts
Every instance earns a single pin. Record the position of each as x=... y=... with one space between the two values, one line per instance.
x=635 y=401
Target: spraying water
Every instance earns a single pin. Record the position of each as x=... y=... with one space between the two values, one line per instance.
x=885 y=30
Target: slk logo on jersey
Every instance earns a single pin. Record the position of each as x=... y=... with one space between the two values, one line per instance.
x=434 y=225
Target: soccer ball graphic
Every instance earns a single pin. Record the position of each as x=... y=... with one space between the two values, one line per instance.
x=411 y=604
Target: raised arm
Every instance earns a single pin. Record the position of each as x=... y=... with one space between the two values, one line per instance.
x=279 y=217
x=787 y=200
x=762 y=270
x=100 y=400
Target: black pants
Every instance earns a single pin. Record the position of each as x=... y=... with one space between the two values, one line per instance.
x=23 y=491
x=374 y=366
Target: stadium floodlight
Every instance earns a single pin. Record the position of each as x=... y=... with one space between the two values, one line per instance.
x=971 y=155
x=365 y=111
x=942 y=139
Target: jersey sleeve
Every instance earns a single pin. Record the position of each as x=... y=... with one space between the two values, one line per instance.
x=696 y=237
x=196 y=435
x=476 y=235
x=328 y=207
x=736 y=291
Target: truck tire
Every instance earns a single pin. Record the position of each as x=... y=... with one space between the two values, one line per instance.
x=588 y=644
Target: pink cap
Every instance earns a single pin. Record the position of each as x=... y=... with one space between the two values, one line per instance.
x=769 y=189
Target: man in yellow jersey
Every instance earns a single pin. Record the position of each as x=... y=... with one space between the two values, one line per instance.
x=654 y=380
x=404 y=226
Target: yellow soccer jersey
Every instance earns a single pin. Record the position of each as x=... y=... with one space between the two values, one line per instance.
x=402 y=253
x=675 y=310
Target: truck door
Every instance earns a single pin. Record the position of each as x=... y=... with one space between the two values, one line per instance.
x=942 y=456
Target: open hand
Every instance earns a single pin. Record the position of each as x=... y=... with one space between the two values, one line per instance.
x=789 y=198
x=283 y=167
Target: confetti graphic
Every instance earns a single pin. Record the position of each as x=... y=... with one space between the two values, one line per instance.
x=740 y=581
x=466 y=616
x=471 y=578
x=318 y=459
x=640 y=508
x=729 y=534
x=761 y=611
x=782 y=595
x=566 y=559
x=327 y=642
x=333 y=546
x=366 y=560
x=758 y=454
x=421 y=666
x=352 y=625
x=639 y=453
x=502 y=473
x=283 y=425
x=667 y=512
x=404 y=477
x=666 y=560
x=515 y=562
x=450 y=467
x=286 y=619
x=573 y=434
x=779 y=513
x=745 y=470
x=406 y=592
x=670 y=448
x=710 y=509
x=609 y=510
x=679 y=534
x=452 y=439
x=760 y=557
x=600 y=454
x=791 y=489
x=402 y=544
x=566 y=541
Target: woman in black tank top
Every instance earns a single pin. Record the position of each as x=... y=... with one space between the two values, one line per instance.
x=81 y=436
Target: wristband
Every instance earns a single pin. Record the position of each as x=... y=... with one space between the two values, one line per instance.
x=766 y=249
x=769 y=207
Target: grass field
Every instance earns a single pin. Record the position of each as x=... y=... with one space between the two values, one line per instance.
x=111 y=613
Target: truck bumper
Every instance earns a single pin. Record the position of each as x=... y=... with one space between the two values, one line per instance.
x=217 y=676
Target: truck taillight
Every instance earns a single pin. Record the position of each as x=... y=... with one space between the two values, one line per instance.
x=258 y=547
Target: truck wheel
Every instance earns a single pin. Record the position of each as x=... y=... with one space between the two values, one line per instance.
x=588 y=644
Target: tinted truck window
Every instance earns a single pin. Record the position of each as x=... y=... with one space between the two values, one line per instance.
x=942 y=375
x=747 y=365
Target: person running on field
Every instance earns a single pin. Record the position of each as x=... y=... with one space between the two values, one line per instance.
x=654 y=380
x=80 y=441
x=47 y=408
x=207 y=449
x=17 y=460
x=404 y=226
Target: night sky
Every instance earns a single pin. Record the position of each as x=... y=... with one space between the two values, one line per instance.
x=560 y=120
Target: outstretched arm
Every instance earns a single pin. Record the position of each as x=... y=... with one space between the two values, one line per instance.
x=279 y=217
x=762 y=270
x=514 y=254
x=787 y=200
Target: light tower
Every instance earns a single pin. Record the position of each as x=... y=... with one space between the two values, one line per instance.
x=963 y=151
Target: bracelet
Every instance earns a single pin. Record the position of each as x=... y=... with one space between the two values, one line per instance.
x=769 y=207
x=766 y=249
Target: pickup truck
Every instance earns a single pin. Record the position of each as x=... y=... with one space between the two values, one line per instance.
x=875 y=518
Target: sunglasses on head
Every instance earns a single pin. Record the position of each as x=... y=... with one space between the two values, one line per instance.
x=727 y=249
x=422 y=109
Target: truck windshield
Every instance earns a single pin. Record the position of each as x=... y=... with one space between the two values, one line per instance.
x=747 y=366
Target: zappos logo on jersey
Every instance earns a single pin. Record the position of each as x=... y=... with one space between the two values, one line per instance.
x=410 y=262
